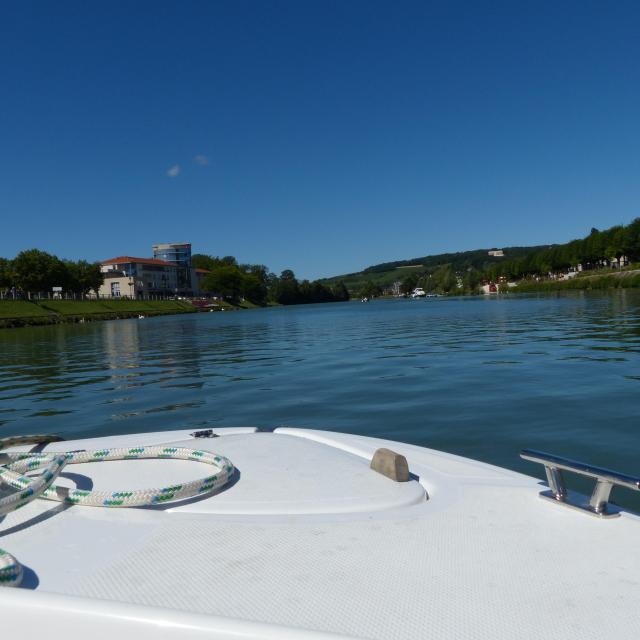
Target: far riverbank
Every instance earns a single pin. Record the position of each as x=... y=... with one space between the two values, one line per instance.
x=29 y=313
x=24 y=313
x=617 y=280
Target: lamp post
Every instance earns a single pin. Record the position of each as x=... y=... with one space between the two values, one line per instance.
x=132 y=283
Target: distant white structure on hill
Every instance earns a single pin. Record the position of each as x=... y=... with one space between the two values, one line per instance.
x=497 y=253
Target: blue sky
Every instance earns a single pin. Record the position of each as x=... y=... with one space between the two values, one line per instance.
x=318 y=136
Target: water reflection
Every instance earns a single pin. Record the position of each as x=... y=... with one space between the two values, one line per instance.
x=480 y=377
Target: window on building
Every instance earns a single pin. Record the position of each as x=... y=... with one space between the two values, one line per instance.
x=115 y=289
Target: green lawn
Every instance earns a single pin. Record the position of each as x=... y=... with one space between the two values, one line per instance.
x=21 y=309
x=24 y=309
x=84 y=307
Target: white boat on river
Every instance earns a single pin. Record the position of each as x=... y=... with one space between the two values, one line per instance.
x=293 y=534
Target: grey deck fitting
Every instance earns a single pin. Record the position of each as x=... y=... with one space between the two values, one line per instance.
x=390 y=464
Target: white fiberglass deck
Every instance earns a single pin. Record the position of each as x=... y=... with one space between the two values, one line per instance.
x=307 y=537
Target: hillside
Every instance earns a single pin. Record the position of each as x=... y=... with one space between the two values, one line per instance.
x=614 y=248
x=386 y=273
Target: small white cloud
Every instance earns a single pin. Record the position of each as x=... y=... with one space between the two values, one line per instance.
x=201 y=160
x=174 y=171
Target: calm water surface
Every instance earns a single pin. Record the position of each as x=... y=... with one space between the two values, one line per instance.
x=478 y=377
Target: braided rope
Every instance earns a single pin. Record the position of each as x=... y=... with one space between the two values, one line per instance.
x=13 y=466
x=10 y=570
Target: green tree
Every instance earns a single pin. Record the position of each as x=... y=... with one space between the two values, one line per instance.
x=201 y=261
x=340 y=292
x=288 y=290
x=7 y=276
x=38 y=271
x=226 y=281
x=471 y=280
x=254 y=289
x=258 y=282
x=409 y=283
x=444 y=279
x=83 y=276
x=305 y=292
x=370 y=290
x=272 y=283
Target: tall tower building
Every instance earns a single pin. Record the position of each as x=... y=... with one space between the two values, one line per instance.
x=179 y=254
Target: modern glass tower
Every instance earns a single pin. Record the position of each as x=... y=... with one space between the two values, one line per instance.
x=178 y=253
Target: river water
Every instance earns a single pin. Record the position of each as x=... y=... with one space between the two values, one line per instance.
x=474 y=376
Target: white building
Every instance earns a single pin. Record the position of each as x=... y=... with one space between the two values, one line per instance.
x=130 y=277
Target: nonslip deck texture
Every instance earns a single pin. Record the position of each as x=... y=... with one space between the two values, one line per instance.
x=456 y=574
x=482 y=558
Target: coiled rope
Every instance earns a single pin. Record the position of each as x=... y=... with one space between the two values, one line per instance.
x=14 y=466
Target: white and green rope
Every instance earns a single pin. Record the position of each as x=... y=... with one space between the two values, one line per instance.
x=14 y=466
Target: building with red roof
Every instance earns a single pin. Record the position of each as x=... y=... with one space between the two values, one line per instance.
x=127 y=276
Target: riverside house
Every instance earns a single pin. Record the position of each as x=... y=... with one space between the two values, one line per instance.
x=130 y=277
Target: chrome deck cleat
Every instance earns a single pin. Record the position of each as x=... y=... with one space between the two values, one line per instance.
x=606 y=479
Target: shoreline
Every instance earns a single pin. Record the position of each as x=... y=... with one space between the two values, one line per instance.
x=16 y=314
x=597 y=282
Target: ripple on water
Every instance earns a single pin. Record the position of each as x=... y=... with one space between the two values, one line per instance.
x=471 y=376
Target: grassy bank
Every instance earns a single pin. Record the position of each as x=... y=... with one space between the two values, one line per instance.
x=20 y=313
x=229 y=306
x=618 y=280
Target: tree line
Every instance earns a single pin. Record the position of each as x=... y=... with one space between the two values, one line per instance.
x=254 y=282
x=444 y=280
x=464 y=272
x=35 y=271
x=478 y=259
x=38 y=271
x=590 y=251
